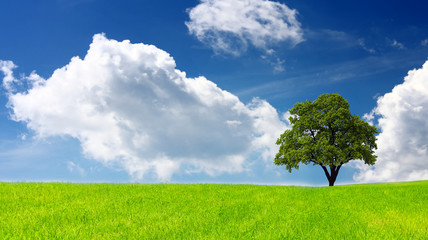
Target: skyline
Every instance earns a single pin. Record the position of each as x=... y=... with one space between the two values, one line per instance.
x=198 y=91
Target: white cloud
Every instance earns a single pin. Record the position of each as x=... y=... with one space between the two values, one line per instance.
x=128 y=105
x=7 y=68
x=275 y=62
x=271 y=58
x=229 y=26
x=369 y=117
x=424 y=42
x=73 y=167
x=362 y=43
x=403 y=141
x=267 y=128
x=397 y=44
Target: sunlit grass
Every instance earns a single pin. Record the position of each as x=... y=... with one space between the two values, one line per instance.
x=213 y=211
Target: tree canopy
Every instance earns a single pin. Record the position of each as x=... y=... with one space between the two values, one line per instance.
x=325 y=133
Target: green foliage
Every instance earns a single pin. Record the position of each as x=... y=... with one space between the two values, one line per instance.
x=211 y=211
x=325 y=133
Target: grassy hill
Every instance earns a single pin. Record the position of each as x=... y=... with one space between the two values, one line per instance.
x=213 y=211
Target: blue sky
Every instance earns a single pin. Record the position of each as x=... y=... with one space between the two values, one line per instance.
x=359 y=49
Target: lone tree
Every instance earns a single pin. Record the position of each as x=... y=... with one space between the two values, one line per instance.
x=325 y=133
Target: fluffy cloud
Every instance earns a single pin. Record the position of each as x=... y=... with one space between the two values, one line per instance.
x=231 y=25
x=403 y=141
x=7 y=68
x=128 y=105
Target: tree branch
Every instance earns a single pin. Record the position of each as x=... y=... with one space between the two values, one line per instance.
x=338 y=167
x=335 y=172
x=326 y=172
x=313 y=134
x=313 y=158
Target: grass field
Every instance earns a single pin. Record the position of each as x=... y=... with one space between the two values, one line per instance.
x=213 y=211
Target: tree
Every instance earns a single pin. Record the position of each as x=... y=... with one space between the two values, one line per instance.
x=325 y=133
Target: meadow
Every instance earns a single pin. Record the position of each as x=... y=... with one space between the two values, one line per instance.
x=213 y=211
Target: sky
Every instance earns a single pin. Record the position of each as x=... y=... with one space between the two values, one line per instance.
x=198 y=91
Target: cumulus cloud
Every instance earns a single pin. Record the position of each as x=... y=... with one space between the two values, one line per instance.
x=128 y=105
x=403 y=141
x=229 y=26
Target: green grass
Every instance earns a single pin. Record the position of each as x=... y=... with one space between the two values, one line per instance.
x=213 y=211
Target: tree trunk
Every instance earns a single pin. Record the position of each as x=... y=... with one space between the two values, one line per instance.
x=332 y=175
